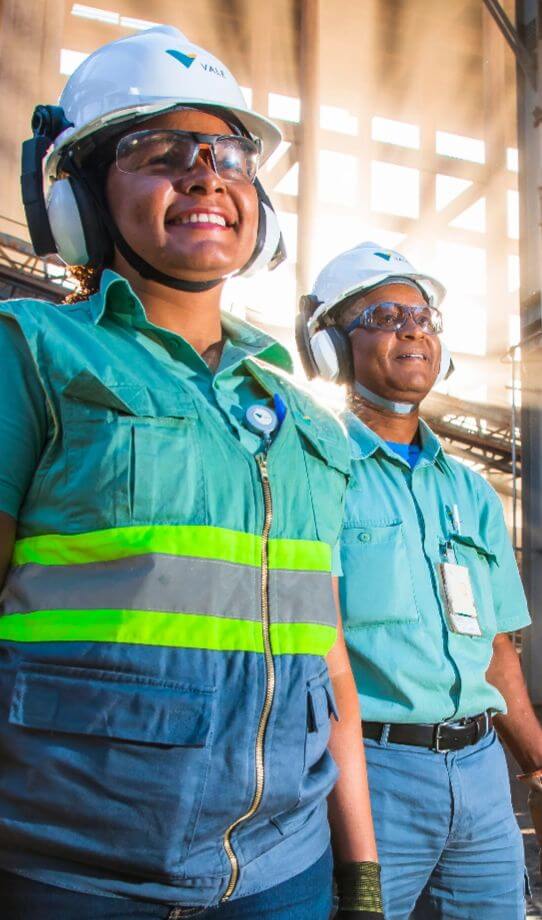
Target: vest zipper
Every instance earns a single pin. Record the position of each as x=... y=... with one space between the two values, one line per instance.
x=269 y=682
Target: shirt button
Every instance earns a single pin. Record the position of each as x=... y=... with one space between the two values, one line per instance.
x=364 y=537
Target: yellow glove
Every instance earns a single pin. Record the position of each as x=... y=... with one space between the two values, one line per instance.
x=358 y=887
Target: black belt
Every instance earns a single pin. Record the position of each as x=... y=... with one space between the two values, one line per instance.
x=445 y=736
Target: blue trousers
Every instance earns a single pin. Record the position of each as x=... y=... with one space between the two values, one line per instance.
x=448 y=840
x=307 y=896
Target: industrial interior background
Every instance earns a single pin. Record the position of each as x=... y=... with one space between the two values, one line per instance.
x=414 y=123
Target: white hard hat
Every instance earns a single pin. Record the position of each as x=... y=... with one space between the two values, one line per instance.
x=145 y=74
x=366 y=266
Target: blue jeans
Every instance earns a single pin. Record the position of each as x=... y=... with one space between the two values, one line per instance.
x=448 y=841
x=305 y=897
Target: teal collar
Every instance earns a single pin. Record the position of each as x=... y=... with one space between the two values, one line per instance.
x=116 y=298
x=365 y=442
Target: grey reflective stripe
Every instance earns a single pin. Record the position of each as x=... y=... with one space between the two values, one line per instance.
x=302 y=597
x=170 y=584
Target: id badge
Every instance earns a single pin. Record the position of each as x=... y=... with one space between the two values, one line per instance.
x=459 y=599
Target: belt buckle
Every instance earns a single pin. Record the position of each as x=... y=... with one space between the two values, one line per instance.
x=437 y=742
x=482 y=730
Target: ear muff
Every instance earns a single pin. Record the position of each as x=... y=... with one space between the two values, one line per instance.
x=327 y=353
x=79 y=233
x=333 y=355
x=269 y=250
x=307 y=306
x=447 y=366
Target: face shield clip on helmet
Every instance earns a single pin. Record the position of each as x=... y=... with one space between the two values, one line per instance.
x=48 y=121
x=66 y=211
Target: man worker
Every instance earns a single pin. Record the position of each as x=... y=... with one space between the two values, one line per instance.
x=430 y=593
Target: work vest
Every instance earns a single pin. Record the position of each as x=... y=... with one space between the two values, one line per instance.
x=164 y=697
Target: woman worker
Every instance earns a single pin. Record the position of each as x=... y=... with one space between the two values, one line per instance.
x=170 y=503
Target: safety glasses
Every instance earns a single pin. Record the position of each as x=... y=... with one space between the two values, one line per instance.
x=390 y=316
x=173 y=153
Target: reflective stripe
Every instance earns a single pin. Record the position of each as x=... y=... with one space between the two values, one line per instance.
x=170 y=584
x=186 y=540
x=143 y=627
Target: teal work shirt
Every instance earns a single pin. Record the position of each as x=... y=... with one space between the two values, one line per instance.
x=408 y=664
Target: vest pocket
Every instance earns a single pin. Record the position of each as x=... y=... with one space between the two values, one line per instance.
x=109 y=768
x=133 y=454
x=319 y=771
x=377 y=587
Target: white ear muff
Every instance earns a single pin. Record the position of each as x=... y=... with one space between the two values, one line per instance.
x=446 y=364
x=66 y=224
x=325 y=355
x=270 y=241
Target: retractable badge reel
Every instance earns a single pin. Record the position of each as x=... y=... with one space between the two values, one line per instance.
x=262 y=420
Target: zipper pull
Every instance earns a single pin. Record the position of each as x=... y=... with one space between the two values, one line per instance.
x=261 y=460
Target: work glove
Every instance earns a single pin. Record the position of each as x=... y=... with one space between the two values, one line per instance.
x=358 y=888
x=534 y=800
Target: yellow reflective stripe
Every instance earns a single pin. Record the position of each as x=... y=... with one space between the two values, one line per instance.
x=299 y=555
x=123 y=542
x=175 y=630
x=302 y=638
x=202 y=542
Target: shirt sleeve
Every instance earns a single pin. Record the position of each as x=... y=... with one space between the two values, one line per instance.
x=336 y=566
x=509 y=598
x=23 y=417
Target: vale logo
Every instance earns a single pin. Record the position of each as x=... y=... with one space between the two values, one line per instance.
x=185 y=59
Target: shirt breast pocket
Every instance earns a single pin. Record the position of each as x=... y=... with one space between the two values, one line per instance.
x=377 y=587
x=478 y=558
x=327 y=464
x=132 y=454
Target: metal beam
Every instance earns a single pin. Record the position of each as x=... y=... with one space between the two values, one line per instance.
x=525 y=59
x=529 y=142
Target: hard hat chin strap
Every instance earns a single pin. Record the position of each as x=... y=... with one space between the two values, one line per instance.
x=146 y=270
x=400 y=408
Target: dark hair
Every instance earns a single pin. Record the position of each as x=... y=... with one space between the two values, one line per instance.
x=87 y=282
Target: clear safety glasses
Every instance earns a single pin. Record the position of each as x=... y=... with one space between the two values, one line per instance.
x=391 y=317
x=173 y=153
